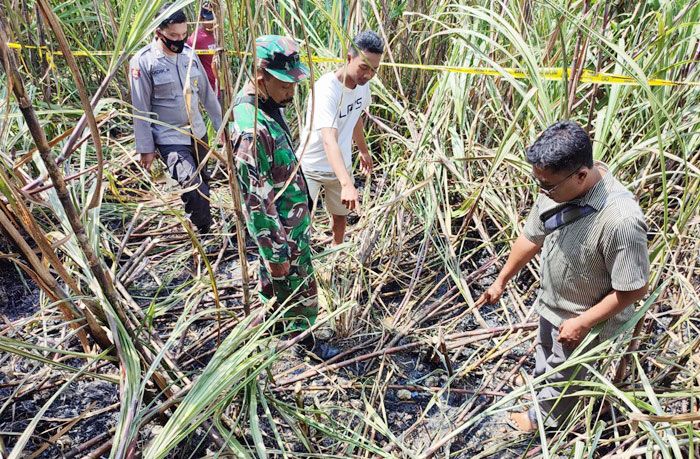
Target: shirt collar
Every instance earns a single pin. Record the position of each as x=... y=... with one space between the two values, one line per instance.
x=157 y=49
x=598 y=194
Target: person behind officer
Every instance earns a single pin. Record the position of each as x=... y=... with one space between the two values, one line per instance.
x=204 y=39
x=164 y=74
x=272 y=187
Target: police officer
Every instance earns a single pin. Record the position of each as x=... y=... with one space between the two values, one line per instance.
x=165 y=75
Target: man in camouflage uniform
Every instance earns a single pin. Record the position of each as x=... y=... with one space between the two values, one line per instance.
x=273 y=190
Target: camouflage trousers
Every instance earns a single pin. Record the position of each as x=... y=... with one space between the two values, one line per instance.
x=298 y=290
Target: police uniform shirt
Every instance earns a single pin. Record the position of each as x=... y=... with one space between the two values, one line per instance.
x=157 y=92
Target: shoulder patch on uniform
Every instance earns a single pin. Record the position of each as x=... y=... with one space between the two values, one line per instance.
x=143 y=50
x=135 y=73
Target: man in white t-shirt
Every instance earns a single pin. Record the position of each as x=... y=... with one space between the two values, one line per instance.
x=333 y=122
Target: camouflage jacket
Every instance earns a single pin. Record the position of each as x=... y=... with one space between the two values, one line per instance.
x=263 y=167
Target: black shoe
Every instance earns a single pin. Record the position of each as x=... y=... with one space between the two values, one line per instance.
x=210 y=244
x=323 y=351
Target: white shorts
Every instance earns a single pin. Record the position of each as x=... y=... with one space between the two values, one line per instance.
x=317 y=180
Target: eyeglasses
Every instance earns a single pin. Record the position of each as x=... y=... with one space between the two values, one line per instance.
x=548 y=190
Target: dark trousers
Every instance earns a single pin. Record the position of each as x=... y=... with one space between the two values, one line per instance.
x=182 y=162
x=555 y=402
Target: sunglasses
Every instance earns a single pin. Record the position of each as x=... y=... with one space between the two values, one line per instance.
x=547 y=190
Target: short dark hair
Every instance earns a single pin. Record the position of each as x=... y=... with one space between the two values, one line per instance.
x=206 y=13
x=178 y=17
x=367 y=42
x=562 y=147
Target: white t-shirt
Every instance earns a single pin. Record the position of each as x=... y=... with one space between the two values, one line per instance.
x=336 y=106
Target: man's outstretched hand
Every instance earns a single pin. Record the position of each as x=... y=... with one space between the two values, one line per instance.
x=366 y=164
x=492 y=294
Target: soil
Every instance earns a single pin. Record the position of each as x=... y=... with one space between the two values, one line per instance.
x=19 y=297
x=87 y=397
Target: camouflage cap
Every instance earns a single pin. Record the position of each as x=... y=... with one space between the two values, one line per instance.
x=279 y=56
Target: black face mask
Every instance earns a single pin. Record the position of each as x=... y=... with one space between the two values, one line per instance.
x=175 y=46
x=272 y=103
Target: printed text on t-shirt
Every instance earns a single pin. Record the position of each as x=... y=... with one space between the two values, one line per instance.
x=351 y=107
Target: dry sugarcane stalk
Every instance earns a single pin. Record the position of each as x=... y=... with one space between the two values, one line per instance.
x=69 y=178
x=126 y=237
x=55 y=25
x=326 y=366
x=64 y=197
x=456 y=344
x=103 y=449
x=410 y=387
x=137 y=273
x=79 y=449
x=146 y=222
x=414 y=279
x=143 y=249
x=225 y=75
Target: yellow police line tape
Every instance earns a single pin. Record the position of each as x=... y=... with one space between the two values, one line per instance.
x=547 y=73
